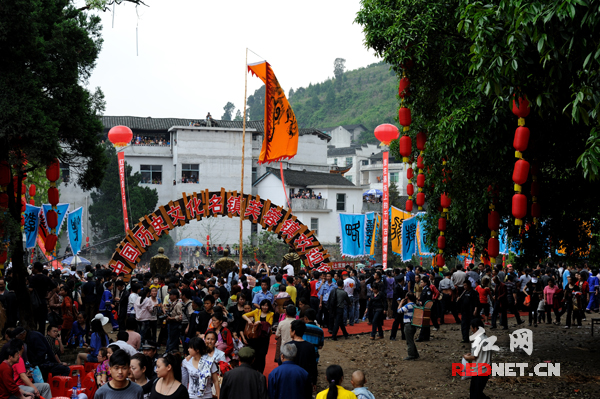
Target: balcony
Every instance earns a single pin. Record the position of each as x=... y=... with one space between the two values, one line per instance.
x=372 y=207
x=309 y=205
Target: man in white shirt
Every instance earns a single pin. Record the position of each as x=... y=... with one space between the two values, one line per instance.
x=123 y=337
x=349 y=285
x=289 y=270
x=482 y=348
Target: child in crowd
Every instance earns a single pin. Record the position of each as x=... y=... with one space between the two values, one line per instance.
x=358 y=381
x=103 y=370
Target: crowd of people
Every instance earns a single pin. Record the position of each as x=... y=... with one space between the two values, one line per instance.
x=306 y=194
x=214 y=326
x=150 y=141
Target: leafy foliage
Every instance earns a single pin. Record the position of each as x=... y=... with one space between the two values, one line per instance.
x=469 y=59
x=269 y=249
x=228 y=108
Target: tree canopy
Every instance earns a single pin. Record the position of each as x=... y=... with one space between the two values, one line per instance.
x=468 y=61
x=228 y=108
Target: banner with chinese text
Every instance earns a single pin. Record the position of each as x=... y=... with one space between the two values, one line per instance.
x=74 y=228
x=32 y=221
x=369 y=232
x=352 y=234
x=422 y=249
x=376 y=231
x=409 y=235
x=397 y=218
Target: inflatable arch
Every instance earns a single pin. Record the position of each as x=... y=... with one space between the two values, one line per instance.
x=205 y=204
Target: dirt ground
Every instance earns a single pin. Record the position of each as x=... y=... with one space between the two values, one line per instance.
x=388 y=376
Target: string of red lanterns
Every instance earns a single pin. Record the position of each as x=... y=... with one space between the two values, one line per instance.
x=421 y=140
x=521 y=169
x=493 y=247
x=52 y=174
x=405 y=142
x=445 y=202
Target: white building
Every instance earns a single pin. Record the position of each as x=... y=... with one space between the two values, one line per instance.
x=344 y=135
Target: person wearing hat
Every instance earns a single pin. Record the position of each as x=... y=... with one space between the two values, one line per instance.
x=244 y=382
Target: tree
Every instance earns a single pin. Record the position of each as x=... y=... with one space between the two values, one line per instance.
x=106 y=215
x=238 y=116
x=462 y=84
x=256 y=105
x=228 y=108
x=339 y=66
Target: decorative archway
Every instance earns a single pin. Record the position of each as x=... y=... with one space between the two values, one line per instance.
x=205 y=204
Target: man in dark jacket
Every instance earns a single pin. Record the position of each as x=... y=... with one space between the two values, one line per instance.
x=39 y=353
x=40 y=284
x=426 y=295
x=469 y=302
x=244 y=382
x=339 y=299
x=123 y=302
x=500 y=303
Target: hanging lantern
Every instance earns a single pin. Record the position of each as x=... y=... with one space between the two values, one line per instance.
x=420 y=180
x=87 y=239
x=521 y=140
x=441 y=242
x=494 y=220
x=493 y=247
x=52 y=219
x=445 y=202
x=409 y=173
x=31 y=201
x=4 y=174
x=420 y=199
x=51 y=242
x=409 y=205
x=53 y=171
x=404 y=116
x=3 y=200
x=405 y=148
x=535 y=210
x=521 y=110
x=410 y=189
x=420 y=163
x=32 y=190
x=403 y=87
x=519 y=208
x=520 y=172
x=440 y=261
x=120 y=136
x=386 y=133
x=53 y=196
x=421 y=139
x=442 y=224
x=23 y=205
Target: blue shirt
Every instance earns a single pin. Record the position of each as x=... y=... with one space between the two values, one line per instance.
x=314 y=335
x=96 y=344
x=258 y=298
x=566 y=274
x=408 y=312
x=325 y=290
x=289 y=381
x=106 y=300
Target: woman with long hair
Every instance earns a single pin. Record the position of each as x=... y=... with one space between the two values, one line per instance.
x=140 y=372
x=98 y=340
x=210 y=339
x=68 y=313
x=335 y=376
x=146 y=313
x=224 y=338
x=200 y=370
x=263 y=314
x=168 y=383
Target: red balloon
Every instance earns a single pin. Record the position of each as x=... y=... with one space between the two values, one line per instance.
x=442 y=242
x=440 y=261
x=445 y=201
x=120 y=136
x=421 y=180
x=522 y=109
x=535 y=187
x=519 y=206
x=51 y=242
x=386 y=133
x=494 y=220
x=521 y=139
x=405 y=146
x=404 y=116
x=32 y=190
x=421 y=140
x=409 y=173
x=442 y=224
x=420 y=199
x=520 y=172
x=53 y=195
x=420 y=163
x=410 y=189
x=403 y=86
x=53 y=170
x=535 y=210
x=4 y=173
x=409 y=206
x=52 y=219
x=493 y=247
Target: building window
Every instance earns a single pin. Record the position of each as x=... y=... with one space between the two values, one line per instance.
x=348 y=161
x=254 y=173
x=65 y=172
x=394 y=177
x=151 y=174
x=314 y=225
x=340 y=202
x=190 y=172
x=349 y=178
x=364 y=162
x=335 y=161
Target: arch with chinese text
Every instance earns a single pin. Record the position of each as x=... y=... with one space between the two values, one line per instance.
x=205 y=204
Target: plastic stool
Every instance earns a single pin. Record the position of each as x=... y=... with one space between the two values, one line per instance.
x=77 y=369
x=59 y=386
x=90 y=367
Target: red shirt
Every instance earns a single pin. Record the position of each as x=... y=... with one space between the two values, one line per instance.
x=19 y=368
x=483 y=293
x=8 y=387
x=313 y=289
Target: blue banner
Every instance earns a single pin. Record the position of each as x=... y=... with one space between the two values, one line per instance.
x=74 y=229
x=32 y=221
x=352 y=234
x=61 y=210
x=422 y=248
x=409 y=238
x=370 y=226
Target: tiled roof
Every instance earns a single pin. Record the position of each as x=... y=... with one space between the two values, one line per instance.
x=298 y=178
x=347 y=127
x=162 y=125
x=336 y=152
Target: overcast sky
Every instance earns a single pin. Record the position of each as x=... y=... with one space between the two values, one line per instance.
x=191 y=53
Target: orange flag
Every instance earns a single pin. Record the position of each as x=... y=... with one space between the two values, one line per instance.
x=281 y=129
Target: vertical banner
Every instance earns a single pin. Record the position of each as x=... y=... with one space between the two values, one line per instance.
x=422 y=249
x=61 y=211
x=386 y=207
x=352 y=234
x=398 y=217
x=32 y=221
x=409 y=238
x=369 y=229
x=74 y=228
x=121 y=155
x=376 y=229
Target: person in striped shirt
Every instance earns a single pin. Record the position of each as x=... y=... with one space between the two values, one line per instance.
x=407 y=308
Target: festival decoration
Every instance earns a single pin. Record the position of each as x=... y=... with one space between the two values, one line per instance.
x=398 y=218
x=493 y=247
x=281 y=128
x=74 y=229
x=52 y=174
x=386 y=133
x=421 y=140
x=442 y=221
x=520 y=108
x=409 y=234
x=410 y=189
x=120 y=136
x=369 y=230
x=30 y=228
x=352 y=229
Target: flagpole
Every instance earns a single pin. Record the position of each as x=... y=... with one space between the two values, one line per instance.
x=243 y=153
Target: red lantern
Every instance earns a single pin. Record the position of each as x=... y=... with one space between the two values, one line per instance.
x=52 y=219
x=522 y=109
x=409 y=173
x=410 y=189
x=120 y=136
x=520 y=172
x=23 y=206
x=442 y=224
x=442 y=242
x=4 y=173
x=535 y=188
x=535 y=169
x=420 y=163
x=87 y=239
x=494 y=220
x=32 y=190
x=421 y=180
x=3 y=257
x=519 y=206
x=53 y=170
x=420 y=199
x=521 y=139
x=386 y=133
x=445 y=201
x=535 y=210
x=409 y=206
x=22 y=220
x=23 y=189
x=421 y=139
x=403 y=86
x=405 y=147
x=31 y=201
x=3 y=200
x=440 y=261
x=51 y=242
x=404 y=116
x=408 y=64
x=53 y=195
x=493 y=247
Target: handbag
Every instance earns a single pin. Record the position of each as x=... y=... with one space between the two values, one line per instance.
x=252 y=331
x=527 y=301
